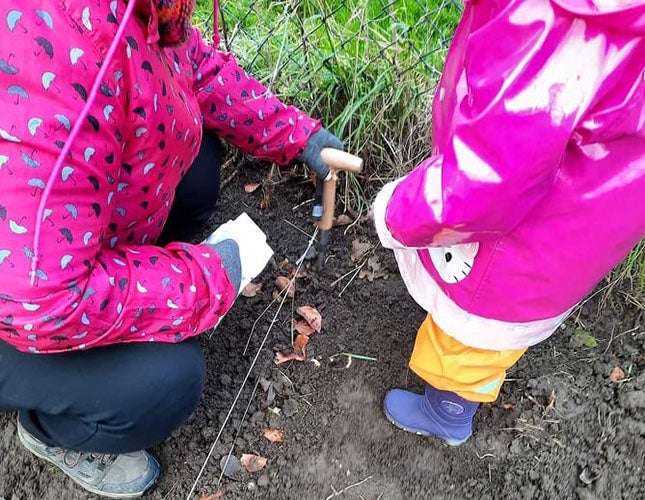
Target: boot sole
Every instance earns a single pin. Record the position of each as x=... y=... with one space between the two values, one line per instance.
x=419 y=432
x=87 y=487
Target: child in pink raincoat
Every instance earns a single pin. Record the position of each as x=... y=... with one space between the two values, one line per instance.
x=534 y=192
x=112 y=111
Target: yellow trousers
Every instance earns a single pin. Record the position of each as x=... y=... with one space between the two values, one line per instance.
x=447 y=364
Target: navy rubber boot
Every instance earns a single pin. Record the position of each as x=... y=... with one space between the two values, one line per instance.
x=434 y=413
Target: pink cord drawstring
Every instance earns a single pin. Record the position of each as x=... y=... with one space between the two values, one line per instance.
x=72 y=136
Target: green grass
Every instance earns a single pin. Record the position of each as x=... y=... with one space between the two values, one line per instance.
x=367 y=69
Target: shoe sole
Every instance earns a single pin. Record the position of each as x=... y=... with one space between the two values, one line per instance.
x=122 y=496
x=419 y=432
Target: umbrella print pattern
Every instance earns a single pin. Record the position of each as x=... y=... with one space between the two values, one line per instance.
x=107 y=204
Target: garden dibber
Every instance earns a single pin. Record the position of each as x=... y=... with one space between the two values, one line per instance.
x=336 y=160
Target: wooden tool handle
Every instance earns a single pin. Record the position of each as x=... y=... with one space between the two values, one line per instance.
x=329 y=201
x=340 y=160
x=336 y=160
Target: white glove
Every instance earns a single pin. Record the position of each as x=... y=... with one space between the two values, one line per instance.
x=253 y=248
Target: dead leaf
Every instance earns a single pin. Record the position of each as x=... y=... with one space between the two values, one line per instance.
x=213 y=496
x=311 y=316
x=253 y=463
x=252 y=289
x=281 y=282
x=302 y=327
x=298 y=353
x=273 y=435
x=507 y=406
x=372 y=270
x=281 y=358
x=343 y=220
x=299 y=347
x=551 y=404
x=299 y=274
x=359 y=249
x=264 y=203
x=269 y=387
x=249 y=188
x=617 y=375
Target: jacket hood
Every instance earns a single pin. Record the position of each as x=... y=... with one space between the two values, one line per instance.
x=622 y=15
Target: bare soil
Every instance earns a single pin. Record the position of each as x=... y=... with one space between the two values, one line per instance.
x=560 y=429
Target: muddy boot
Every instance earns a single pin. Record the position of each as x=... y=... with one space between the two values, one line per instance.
x=434 y=413
x=129 y=475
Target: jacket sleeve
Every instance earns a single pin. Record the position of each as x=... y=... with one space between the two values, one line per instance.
x=244 y=112
x=85 y=293
x=498 y=142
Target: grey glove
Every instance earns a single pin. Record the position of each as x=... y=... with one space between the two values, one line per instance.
x=311 y=155
x=229 y=253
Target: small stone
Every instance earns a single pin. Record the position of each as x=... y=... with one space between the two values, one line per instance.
x=263 y=481
x=230 y=466
x=251 y=486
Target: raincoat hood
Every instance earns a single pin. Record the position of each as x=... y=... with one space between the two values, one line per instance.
x=168 y=20
x=624 y=15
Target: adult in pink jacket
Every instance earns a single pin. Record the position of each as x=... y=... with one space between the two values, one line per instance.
x=109 y=165
x=533 y=193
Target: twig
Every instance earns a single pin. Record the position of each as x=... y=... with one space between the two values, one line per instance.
x=334 y=283
x=357 y=356
x=338 y=493
x=306 y=202
x=226 y=181
x=239 y=392
x=611 y=339
x=167 y=495
x=353 y=277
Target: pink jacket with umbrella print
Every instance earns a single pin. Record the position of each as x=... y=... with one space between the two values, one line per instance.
x=77 y=257
x=535 y=188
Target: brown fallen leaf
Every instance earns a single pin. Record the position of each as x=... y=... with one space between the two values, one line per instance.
x=343 y=220
x=264 y=203
x=253 y=463
x=507 y=406
x=299 y=347
x=373 y=270
x=359 y=249
x=281 y=282
x=249 y=188
x=252 y=289
x=617 y=375
x=213 y=496
x=551 y=403
x=298 y=353
x=311 y=316
x=301 y=326
x=281 y=358
x=273 y=435
x=299 y=274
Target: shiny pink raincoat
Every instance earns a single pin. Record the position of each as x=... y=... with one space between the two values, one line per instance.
x=536 y=186
x=89 y=163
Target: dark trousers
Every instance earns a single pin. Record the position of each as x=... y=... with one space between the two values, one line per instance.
x=123 y=397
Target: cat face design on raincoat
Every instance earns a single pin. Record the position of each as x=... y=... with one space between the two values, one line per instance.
x=454 y=263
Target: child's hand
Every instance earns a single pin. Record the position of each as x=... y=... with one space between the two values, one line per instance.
x=311 y=155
